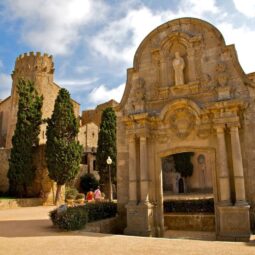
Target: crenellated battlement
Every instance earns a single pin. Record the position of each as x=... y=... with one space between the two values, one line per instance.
x=34 y=62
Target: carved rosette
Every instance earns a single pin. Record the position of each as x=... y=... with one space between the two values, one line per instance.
x=182 y=122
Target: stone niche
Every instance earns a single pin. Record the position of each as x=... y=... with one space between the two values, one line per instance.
x=186 y=93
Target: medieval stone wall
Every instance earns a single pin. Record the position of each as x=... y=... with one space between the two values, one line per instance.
x=95 y=115
x=39 y=69
x=4 y=167
x=4 y=117
x=88 y=136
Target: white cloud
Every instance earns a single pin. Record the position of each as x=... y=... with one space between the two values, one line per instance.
x=246 y=7
x=77 y=85
x=81 y=69
x=102 y=94
x=244 y=40
x=53 y=25
x=5 y=85
x=198 y=7
x=119 y=40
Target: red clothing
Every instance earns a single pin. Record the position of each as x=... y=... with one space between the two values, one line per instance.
x=90 y=195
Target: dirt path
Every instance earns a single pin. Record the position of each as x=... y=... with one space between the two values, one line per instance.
x=26 y=231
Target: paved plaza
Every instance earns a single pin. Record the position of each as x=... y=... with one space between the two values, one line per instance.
x=25 y=231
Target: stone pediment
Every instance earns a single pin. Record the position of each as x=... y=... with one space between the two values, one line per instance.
x=184 y=58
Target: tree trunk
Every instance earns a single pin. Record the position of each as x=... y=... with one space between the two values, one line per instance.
x=58 y=194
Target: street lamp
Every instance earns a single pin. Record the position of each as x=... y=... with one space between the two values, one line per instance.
x=109 y=162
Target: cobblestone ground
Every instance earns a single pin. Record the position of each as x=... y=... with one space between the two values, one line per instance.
x=26 y=231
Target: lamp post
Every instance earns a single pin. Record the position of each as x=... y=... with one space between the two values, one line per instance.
x=109 y=162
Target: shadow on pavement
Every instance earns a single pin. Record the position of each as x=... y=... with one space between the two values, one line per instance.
x=32 y=228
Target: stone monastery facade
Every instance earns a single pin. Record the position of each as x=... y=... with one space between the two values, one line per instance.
x=186 y=92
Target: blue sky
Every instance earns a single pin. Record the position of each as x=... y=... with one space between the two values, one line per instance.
x=93 y=42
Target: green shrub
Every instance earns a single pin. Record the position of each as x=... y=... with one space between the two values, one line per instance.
x=190 y=206
x=70 y=191
x=88 y=181
x=74 y=218
x=101 y=210
x=80 y=196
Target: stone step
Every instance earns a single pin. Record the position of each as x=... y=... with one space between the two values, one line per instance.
x=190 y=221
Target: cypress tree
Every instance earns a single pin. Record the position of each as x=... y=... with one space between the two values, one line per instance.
x=21 y=168
x=63 y=152
x=107 y=146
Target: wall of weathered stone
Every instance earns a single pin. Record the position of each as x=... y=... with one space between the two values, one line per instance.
x=88 y=136
x=4 y=167
x=4 y=116
x=95 y=114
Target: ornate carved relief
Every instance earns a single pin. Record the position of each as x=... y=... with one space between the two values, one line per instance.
x=182 y=122
x=224 y=91
x=137 y=99
x=222 y=76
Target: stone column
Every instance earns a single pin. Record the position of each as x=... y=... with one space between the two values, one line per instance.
x=237 y=165
x=132 y=170
x=191 y=64
x=223 y=172
x=144 y=175
x=163 y=70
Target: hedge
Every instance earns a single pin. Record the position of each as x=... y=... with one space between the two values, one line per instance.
x=74 y=218
x=190 y=206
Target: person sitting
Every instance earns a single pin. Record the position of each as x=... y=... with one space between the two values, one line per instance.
x=90 y=195
x=97 y=194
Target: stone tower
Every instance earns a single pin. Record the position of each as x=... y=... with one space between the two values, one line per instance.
x=39 y=69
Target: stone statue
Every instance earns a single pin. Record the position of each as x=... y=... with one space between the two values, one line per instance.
x=178 y=65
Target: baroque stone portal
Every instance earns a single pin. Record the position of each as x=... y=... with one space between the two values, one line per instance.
x=186 y=93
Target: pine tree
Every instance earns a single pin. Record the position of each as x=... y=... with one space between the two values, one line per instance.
x=22 y=170
x=107 y=146
x=63 y=152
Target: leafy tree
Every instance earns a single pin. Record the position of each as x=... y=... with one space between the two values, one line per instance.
x=63 y=152
x=106 y=145
x=22 y=170
x=88 y=181
x=183 y=164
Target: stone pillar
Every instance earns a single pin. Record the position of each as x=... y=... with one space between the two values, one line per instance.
x=144 y=178
x=223 y=172
x=140 y=216
x=163 y=70
x=237 y=166
x=191 y=64
x=132 y=171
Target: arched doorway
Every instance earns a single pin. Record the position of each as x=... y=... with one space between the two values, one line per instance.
x=188 y=179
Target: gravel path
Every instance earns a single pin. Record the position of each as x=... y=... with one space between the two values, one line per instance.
x=26 y=231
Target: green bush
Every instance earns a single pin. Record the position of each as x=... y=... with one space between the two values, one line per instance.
x=80 y=196
x=101 y=210
x=88 y=181
x=74 y=218
x=71 y=192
